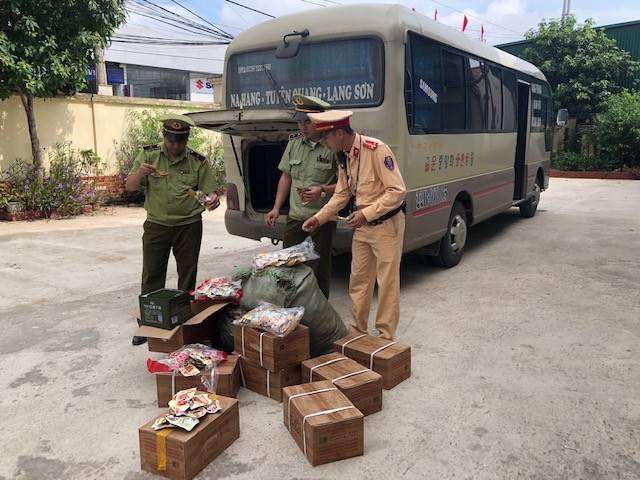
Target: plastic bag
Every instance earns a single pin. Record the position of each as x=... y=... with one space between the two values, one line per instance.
x=272 y=318
x=191 y=359
x=219 y=289
x=302 y=252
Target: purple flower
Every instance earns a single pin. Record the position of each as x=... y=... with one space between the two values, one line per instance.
x=59 y=186
x=26 y=187
x=79 y=198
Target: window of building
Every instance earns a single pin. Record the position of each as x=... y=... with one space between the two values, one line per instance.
x=150 y=82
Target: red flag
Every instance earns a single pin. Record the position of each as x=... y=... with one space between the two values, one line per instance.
x=435 y=15
x=482 y=33
x=464 y=23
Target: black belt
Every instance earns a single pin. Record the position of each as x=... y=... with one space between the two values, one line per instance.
x=387 y=216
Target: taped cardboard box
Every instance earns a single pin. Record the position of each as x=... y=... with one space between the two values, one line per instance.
x=363 y=387
x=390 y=359
x=270 y=351
x=180 y=455
x=323 y=422
x=265 y=382
x=197 y=329
x=167 y=384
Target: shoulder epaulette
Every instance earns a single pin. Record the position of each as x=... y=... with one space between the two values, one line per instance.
x=370 y=144
x=150 y=148
x=198 y=155
x=293 y=136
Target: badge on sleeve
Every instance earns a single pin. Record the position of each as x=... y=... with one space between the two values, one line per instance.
x=388 y=162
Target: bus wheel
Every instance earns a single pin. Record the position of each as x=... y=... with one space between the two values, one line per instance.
x=453 y=243
x=528 y=208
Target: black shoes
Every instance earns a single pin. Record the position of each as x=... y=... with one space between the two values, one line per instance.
x=138 y=340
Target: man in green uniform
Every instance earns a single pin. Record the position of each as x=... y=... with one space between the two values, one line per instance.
x=309 y=174
x=174 y=222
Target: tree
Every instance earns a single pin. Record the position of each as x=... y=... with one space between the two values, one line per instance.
x=582 y=64
x=46 y=47
x=617 y=130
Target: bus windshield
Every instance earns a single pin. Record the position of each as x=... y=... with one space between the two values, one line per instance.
x=345 y=73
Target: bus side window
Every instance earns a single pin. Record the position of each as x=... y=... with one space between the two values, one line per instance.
x=494 y=77
x=427 y=92
x=475 y=76
x=510 y=100
x=453 y=95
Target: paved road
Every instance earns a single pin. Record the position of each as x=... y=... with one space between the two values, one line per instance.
x=526 y=356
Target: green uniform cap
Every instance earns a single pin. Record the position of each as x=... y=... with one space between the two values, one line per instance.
x=307 y=104
x=176 y=127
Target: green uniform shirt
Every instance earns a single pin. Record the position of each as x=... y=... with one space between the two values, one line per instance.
x=167 y=201
x=309 y=166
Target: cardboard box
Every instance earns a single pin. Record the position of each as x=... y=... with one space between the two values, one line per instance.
x=165 y=308
x=181 y=455
x=197 y=329
x=270 y=351
x=265 y=382
x=323 y=422
x=228 y=381
x=363 y=387
x=390 y=359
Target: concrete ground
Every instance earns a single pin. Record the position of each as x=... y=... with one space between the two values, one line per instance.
x=526 y=356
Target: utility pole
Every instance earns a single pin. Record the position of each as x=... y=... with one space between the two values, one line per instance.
x=566 y=8
x=101 y=73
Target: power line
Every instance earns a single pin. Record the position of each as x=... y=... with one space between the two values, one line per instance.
x=228 y=35
x=249 y=8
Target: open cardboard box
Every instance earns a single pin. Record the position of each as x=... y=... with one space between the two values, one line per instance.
x=198 y=328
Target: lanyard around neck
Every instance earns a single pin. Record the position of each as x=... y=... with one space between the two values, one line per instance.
x=355 y=188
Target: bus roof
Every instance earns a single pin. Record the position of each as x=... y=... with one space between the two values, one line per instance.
x=388 y=22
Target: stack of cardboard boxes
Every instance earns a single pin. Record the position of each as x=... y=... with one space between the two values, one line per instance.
x=268 y=362
x=325 y=399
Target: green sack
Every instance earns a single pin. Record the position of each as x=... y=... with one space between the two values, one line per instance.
x=296 y=286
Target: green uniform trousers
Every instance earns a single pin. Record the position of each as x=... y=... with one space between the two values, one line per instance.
x=157 y=243
x=323 y=240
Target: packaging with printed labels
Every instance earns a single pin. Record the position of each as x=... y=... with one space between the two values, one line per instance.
x=198 y=329
x=323 y=422
x=165 y=308
x=390 y=359
x=363 y=387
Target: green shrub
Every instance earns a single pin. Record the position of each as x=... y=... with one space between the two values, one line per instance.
x=567 y=161
x=617 y=130
x=63 y=187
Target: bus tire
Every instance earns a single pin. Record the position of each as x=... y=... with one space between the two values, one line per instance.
x=528 y=208
x=453 y=243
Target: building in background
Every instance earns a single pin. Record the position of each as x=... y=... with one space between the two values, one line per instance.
x=182 y=69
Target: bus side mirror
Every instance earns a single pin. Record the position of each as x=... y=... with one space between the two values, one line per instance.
x=563 y=117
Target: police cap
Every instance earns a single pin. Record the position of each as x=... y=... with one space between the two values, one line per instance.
x=305 y=104
x=176 y=127
x=331 y=119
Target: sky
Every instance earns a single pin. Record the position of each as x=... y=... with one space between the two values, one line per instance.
x=504 y=21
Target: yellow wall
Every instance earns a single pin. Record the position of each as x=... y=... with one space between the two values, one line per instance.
x=87 y=121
